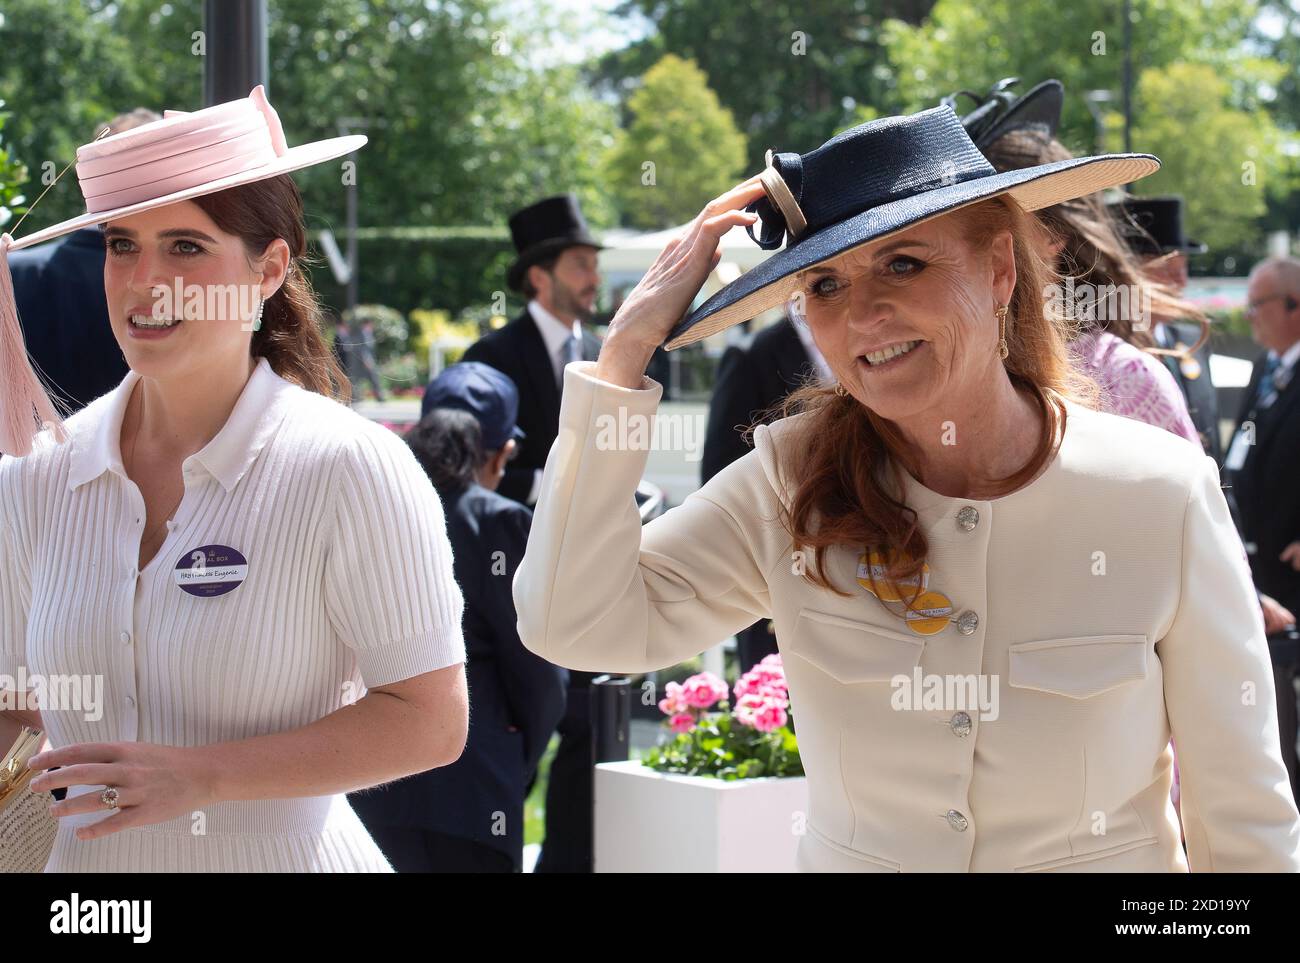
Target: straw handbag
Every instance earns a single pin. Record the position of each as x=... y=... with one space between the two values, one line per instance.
x=26 y=826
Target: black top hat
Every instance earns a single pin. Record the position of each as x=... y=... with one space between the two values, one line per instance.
x=875 y=180
x=1154 y=225
x=1000 y=111
x=544 y=229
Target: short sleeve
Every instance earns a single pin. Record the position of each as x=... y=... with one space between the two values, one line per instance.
x=13 y=587
x=390 y=590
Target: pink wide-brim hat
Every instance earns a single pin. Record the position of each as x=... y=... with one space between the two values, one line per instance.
x=180 y=157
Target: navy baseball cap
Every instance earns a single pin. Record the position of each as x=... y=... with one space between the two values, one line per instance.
x=484 y=392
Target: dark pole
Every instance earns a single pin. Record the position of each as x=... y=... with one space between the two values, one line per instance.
x=235 y=49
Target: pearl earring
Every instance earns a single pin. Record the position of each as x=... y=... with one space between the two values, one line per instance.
x=257 y=319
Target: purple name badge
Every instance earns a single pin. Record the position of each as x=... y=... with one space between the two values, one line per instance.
x=211 y=570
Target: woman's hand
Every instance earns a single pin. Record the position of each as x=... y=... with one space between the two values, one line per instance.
x=154 y=783
x=662 y=297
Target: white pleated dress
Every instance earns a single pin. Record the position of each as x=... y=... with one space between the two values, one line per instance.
x=308 y=559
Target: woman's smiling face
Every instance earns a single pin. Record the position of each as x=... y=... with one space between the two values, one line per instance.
x=908 y=324
x=154 y=256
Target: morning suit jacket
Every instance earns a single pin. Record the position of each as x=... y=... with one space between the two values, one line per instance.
x=518 y=351
x=1267 y=487
x=59 y=290
x=1202 y=398
x=752 y=377
x=516 y=699
x=1110 y=606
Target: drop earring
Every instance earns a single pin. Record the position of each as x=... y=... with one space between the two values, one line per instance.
x=1003 y=351
x=257 y=319
x=840 y=390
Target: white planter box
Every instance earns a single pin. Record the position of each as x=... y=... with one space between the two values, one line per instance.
x=655 y=822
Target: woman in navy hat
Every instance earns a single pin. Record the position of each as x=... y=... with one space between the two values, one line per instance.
x=994 y=603
x=469 y=816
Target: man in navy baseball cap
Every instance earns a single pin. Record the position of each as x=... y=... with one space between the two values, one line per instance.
x=485 y=393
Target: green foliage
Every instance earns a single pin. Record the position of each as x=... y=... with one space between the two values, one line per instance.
x=721 y=747
x=679 y=151
x=12 y=176
x=790 y=71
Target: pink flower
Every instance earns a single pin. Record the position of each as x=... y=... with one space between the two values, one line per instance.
x=682 y=722
x=703 y=690
x=673 y=700
x=770 y=717
x=762 y=712
x=767 y=678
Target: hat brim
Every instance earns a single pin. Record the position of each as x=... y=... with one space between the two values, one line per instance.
x=542 y=250
x=771 y=283
x=296 y=158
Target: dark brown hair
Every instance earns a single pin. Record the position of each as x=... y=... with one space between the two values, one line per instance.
x=290 y=336
x=846 y=454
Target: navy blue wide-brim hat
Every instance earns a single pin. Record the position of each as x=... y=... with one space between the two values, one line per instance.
x=876 y=180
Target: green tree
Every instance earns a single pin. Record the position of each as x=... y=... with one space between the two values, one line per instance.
x=1223 y=161
x=680 y=149
x=790 y=71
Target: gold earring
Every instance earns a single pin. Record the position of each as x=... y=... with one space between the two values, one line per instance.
x=1003 y=350
x=841 y=391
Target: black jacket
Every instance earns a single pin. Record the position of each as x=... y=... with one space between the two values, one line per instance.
x=59 y=290
x=1267 y=488
x=1199 y=392
x=752 y=377
x=516 y=698
x=517 y=350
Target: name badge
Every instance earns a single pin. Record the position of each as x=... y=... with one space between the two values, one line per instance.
x=210 y=570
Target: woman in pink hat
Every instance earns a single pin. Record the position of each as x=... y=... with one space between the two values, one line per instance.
x=226 y=597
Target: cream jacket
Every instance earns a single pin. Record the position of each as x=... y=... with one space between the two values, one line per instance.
x=1107 y=604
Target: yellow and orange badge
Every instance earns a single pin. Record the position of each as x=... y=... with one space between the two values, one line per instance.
x=927 y=612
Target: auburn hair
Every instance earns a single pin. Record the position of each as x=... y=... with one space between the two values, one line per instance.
x=849 y=461
x=290 y=335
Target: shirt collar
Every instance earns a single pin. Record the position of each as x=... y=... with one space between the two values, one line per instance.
x=1288 y=357
x=554 y=331
x=231 y=452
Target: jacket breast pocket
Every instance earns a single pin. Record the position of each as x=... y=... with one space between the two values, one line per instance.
x=1079 y=668
x=853 y=651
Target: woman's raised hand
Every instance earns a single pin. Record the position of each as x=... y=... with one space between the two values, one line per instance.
x=662 y=297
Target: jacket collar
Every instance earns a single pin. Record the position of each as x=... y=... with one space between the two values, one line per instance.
x=231 y=452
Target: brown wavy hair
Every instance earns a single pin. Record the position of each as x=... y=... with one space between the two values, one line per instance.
x=1094 y=250
x=290 y=337
x=849 y=460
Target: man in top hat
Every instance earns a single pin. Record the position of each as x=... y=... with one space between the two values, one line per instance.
x=555 y=269
x=1153 y=229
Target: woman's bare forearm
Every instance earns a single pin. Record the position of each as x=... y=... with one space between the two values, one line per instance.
x=380 y=738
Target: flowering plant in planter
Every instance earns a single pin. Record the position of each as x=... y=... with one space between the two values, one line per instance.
x=711 y=738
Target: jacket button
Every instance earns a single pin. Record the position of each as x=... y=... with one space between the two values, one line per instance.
x=967 y=622
x=957 y=821
x=967 y=518
x=960 y=723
